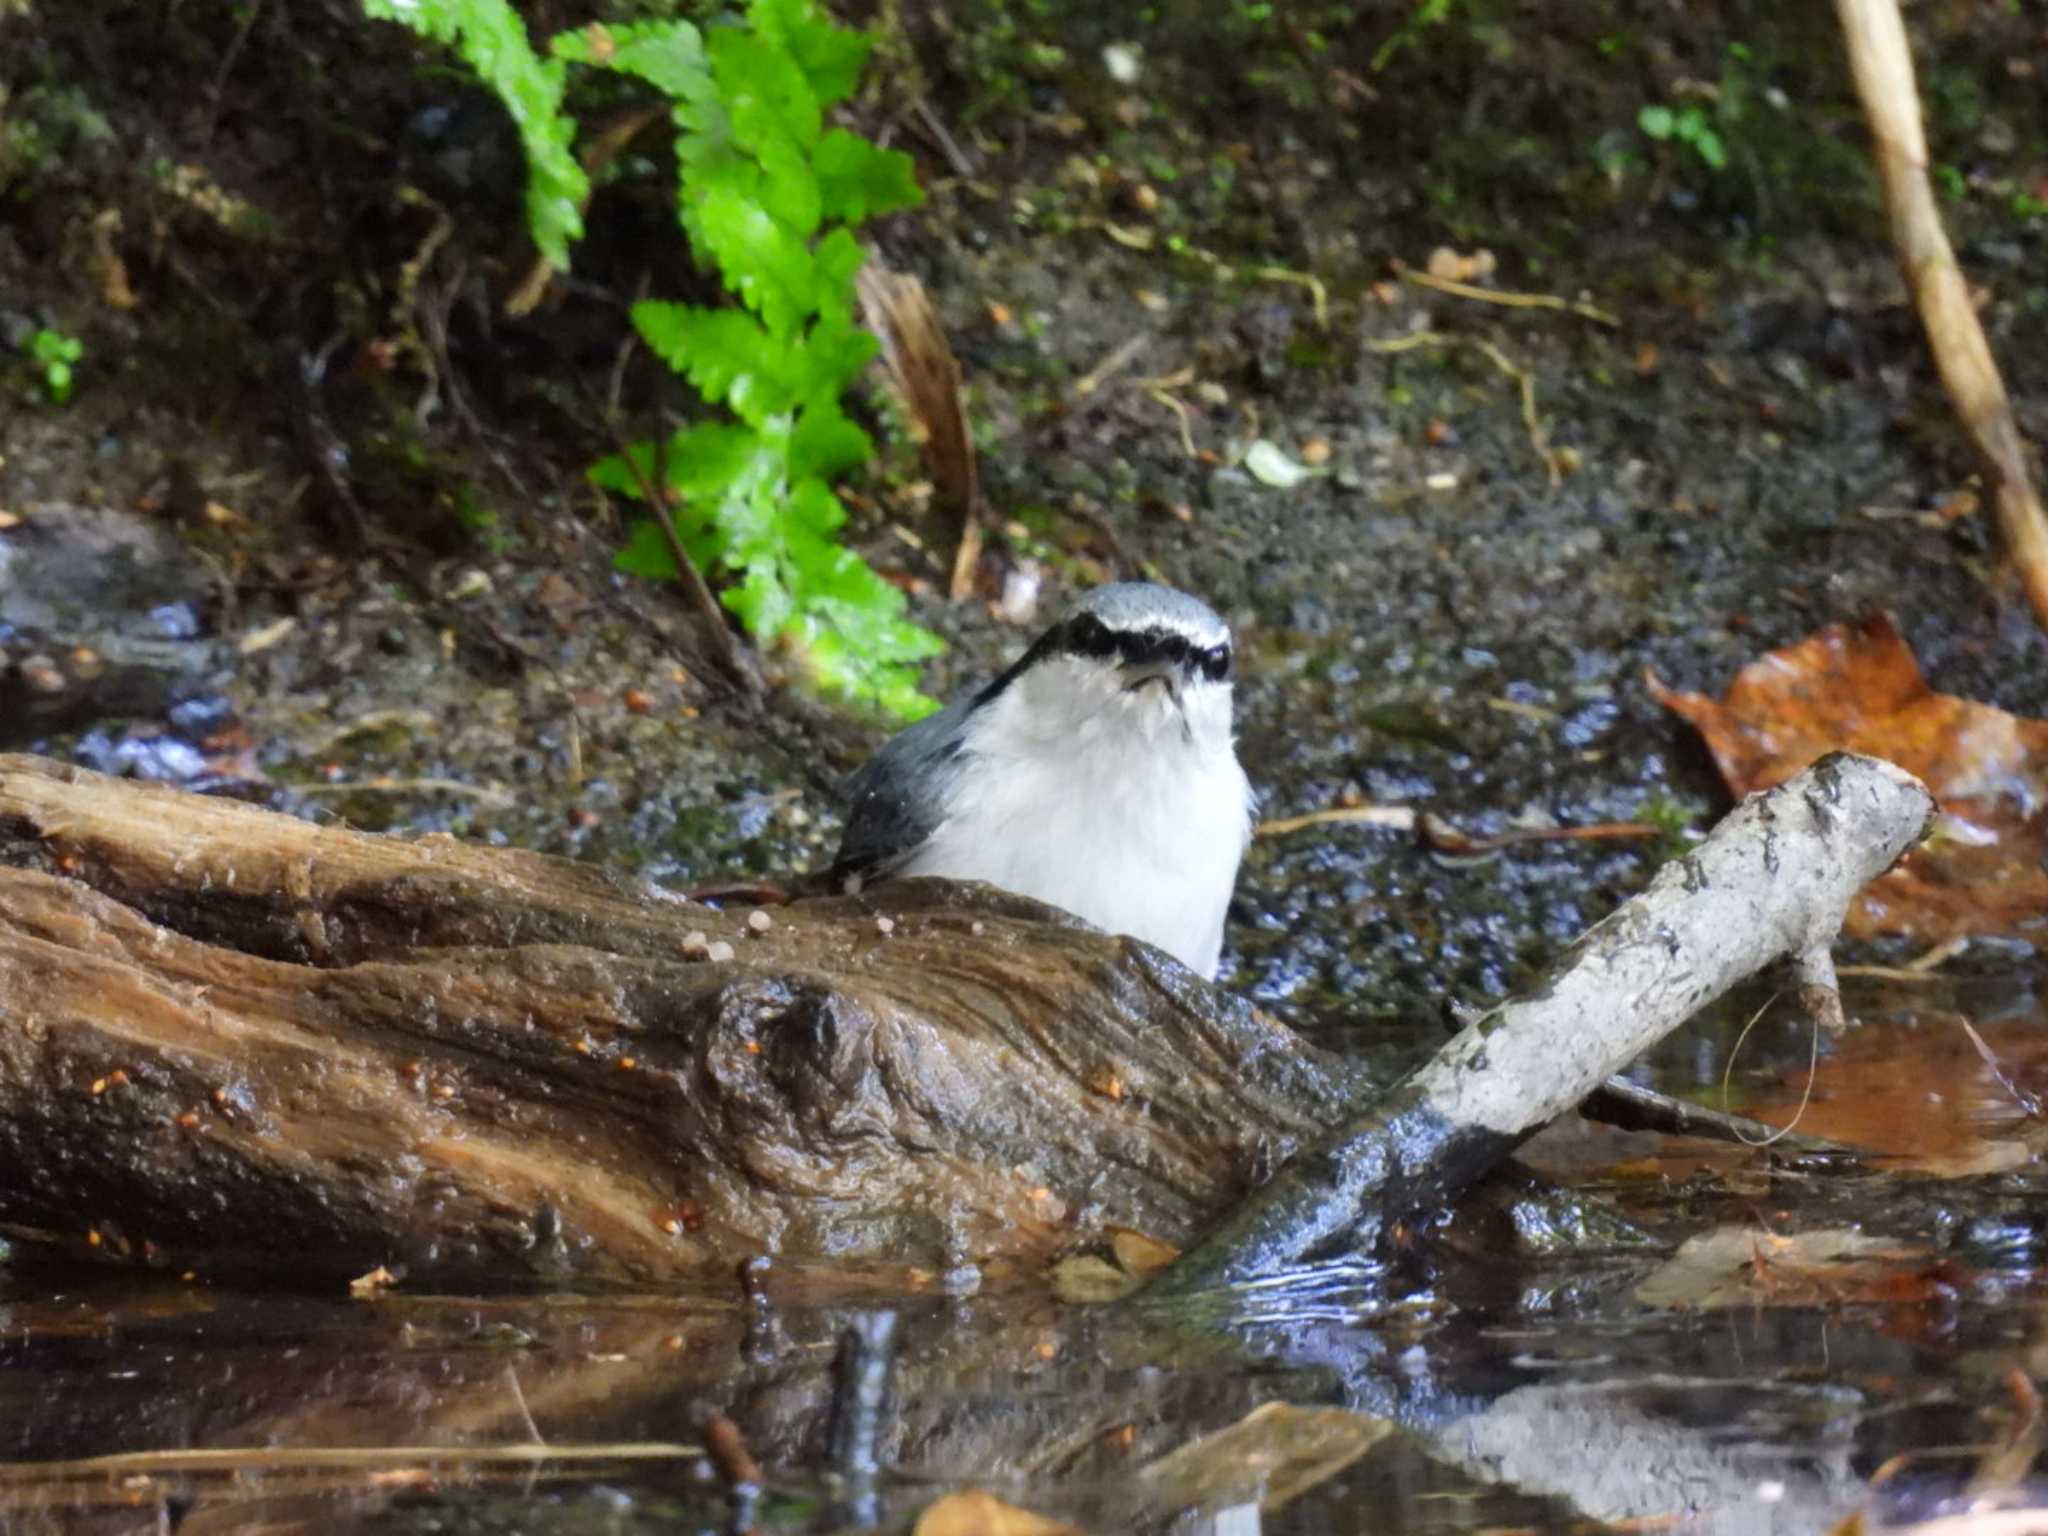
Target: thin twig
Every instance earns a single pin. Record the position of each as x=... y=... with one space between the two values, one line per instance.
x=1397 y=818
x=1806 y=1094
x=502 y=798
x=1511 y=300
x=1180 y=411
x=2028 y=1102
x=1319 y=296
x=525 y=1413
x=696 y=591
x=963 y=167
x=603 y=147
x=1440 y=835
x=1890 y=973
x=1119 y=358
x=367 y=1457
x=1921 y=968
x=220 y=76
x=1539 y=438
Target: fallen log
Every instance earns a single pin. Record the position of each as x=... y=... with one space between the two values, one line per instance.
x=241 y=1044
x=1770 y=883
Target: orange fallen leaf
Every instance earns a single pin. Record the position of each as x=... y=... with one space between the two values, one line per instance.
x=975 y=1513
x=1923 y=1090
x=1858 y=688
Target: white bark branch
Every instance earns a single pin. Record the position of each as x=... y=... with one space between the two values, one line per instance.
x=1773 y=880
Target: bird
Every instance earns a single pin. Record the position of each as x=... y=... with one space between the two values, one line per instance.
x=1098 y=774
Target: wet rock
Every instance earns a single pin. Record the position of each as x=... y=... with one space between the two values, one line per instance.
x=101 y=615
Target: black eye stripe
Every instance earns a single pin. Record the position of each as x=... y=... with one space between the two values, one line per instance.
x=1086 y=635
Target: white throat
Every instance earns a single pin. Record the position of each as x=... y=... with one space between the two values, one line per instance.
x=1119 y=804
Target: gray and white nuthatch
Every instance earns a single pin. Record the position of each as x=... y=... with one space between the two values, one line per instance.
x=1096 y=774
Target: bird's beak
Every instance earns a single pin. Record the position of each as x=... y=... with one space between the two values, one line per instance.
x=1166 y=674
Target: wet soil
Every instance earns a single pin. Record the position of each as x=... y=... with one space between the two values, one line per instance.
x=1758 y=447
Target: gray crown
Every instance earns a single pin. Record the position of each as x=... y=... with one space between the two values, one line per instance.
x=1143 y=605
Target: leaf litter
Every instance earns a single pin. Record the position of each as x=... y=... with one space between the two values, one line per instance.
x=1858 y=688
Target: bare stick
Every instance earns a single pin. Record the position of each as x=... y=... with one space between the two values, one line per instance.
x=1525 y=382
x=724 y=650
x=368 y=1458
x=1772 y=880
x=1511 y=300
x=1397 y=818
x=1883 y=66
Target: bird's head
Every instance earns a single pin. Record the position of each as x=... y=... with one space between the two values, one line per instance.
x=1132 y=651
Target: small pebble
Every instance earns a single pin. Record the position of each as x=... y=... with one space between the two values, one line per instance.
x=885 y=925
x=977 y=928
x=759 y=921
x=720 y=952
x=696 y=946
x=41 y=675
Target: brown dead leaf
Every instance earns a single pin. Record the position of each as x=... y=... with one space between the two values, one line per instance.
x=109 y=271
x=925 y=376
x=374 y=1283
x=1110 y=1268
x=1138 y=1253
x=1858 y=688
x=1925 y=1091
x=1748 y=1267
x=562 y=599
x=1089 y=1280
x=1271 y=1456
x=975 y=1513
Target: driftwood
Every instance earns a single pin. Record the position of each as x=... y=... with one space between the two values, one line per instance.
x=241 y=1044
x=1770 y=883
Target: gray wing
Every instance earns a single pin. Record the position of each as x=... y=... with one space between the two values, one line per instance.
x=898 y=797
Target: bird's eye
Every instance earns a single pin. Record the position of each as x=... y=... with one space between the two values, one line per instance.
x=1213 y=663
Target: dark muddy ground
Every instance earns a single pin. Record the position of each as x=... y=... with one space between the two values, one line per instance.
x=1429 y=622
x=1757 y=448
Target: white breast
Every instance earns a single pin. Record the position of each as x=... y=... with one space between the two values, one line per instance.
x=1120 y=807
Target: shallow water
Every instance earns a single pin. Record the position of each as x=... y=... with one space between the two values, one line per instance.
x=1524 y=1392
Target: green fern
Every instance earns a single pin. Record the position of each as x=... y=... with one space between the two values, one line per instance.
x=770 y=196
